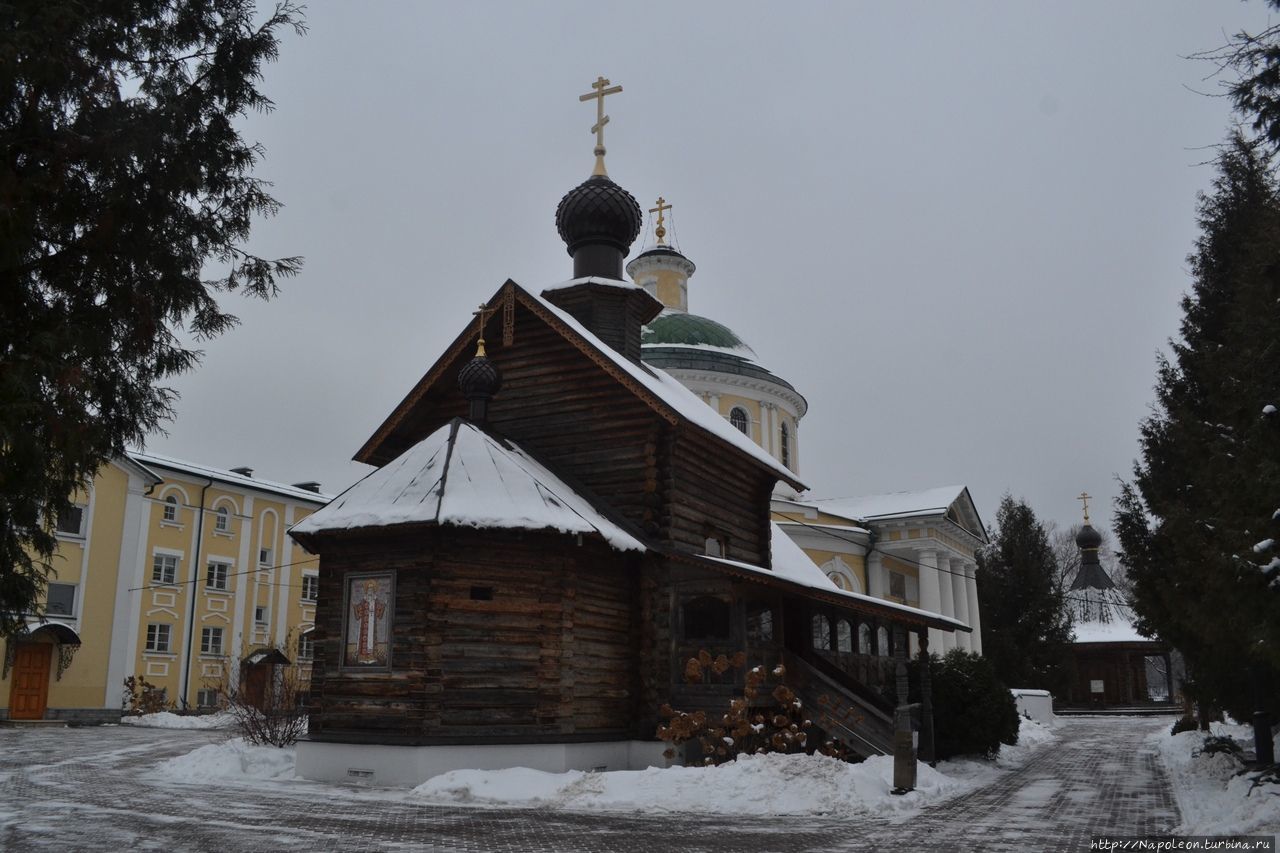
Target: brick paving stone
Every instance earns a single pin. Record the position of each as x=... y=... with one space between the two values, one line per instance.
x=89 y=789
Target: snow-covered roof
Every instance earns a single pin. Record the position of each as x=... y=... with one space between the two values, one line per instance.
x=593 y=279
x=464 y=477
x=934 y=501
x=150 y=460
x=683 y=401
x=792 y=564
x=1116 y=631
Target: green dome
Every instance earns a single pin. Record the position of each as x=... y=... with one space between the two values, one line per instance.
x=673 y=328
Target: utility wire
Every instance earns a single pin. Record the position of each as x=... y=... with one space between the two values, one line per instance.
x=196 y=579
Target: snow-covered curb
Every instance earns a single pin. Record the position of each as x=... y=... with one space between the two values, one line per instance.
x=1211 y=797
x=235 y=759
x=167 y=720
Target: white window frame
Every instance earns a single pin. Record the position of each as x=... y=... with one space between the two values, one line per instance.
x=222 y=520
x=261 y=614
x=310 y=587
x=225 y=578
x=211 y=640
x=177 y=566
x=204 y=694
x=156 y=631
x=306 y=646
x=266 y=558
x=170 y=514
x=75 y=591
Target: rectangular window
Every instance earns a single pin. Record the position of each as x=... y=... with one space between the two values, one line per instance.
x=260 y=615
x=71 y=521
x=306 y=646
x=264 y=557
x=171 y=508
x=216 y=578
x=210 y=641
x=158 y=637
x=898 y=585
x=310 y=587
x=61 y=600
x=164 y=568
x=207 y=698
x=222 y=520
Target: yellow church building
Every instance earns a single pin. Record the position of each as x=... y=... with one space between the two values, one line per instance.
x=171 y=572
x=915 y=548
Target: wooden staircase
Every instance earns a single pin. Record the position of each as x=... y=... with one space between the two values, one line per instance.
x=842 y=707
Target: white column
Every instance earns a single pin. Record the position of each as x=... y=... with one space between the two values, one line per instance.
x=975 y=619
x=770 y=426
x=948 y=602
x=713 y=400
x=960 y=593
x=875 y=575
x=930 y=593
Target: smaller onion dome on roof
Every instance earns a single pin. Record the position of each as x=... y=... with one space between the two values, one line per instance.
x=1088 y=538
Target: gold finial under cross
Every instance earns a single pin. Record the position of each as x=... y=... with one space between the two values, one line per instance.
x=660 y=232
x=602 y=88
x=482 y=314
x=1084 y=499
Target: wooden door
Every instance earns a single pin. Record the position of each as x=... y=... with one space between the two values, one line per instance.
x=29 y=694
x=255 y=685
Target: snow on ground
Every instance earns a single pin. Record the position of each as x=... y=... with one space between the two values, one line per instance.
x=1213 y=799
x=975 y=771
x=167 y=720
x=233 y=759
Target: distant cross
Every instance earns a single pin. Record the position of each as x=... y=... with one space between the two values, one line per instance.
x=602 y=88
x=660 y=232
x=1084 y=499
x=482 y=314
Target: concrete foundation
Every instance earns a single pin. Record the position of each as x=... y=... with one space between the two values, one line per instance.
x=407 y=766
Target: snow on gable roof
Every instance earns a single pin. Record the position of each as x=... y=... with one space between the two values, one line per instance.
x=679 y=398
x=154 y=460
x=1116 y=631
x=790 y=563
x=893 y=505
x=461 y=476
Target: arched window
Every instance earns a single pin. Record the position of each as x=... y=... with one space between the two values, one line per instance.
x=784 y=447
x=864 y=638
x=706 y=618
x=882 y=641
x=171 y=508
x=741 y=420
x=222 y=519
x=844 y=636
x=839 y=580
x=821 y=633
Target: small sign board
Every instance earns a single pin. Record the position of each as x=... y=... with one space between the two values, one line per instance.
x=1095 y=686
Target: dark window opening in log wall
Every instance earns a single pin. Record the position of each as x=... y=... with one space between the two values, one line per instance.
x=882 y=642
x=714 y=547
x=482 y=593
x=864 y=638
x=821 y=633
x=760 y=625
x=706 y=618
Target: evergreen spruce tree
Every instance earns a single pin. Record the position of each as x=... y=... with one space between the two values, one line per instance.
x=1196 y=523
x=126 y=198
x=1025 y=626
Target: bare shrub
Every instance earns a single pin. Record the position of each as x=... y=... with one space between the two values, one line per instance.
x=143 y=697
x=267 y=711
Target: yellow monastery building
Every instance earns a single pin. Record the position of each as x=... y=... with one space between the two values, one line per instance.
x=169 y=571
x=914 y=548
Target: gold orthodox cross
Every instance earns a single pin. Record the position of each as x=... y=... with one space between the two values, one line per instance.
x=602 y=88
x=660 y=232
x=482 y=314
x=1084 y=499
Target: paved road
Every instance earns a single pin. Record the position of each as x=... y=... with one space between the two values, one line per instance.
x=88 y=789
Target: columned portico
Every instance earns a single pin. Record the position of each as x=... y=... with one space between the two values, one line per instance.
x=947 y=602
x=875 y=575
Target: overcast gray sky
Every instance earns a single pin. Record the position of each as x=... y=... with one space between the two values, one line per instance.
x=959 y=230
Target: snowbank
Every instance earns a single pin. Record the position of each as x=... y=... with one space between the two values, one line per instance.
x=973 y=771
x=752 y=785
x=233 y=759
x=166 y=720
x=1211 y=796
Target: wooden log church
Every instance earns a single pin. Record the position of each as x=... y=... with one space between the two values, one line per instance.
x=553 y=529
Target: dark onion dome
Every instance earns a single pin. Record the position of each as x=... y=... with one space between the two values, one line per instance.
x=598 y=211
x=1088 y=538
x=479 y=379
x=676 y=328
